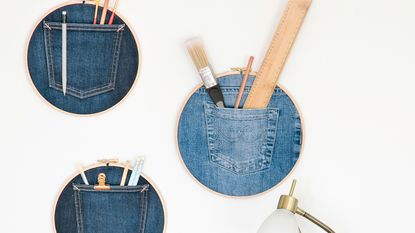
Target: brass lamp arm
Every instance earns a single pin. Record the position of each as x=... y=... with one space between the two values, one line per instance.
x=314 y=220
x=290 y=203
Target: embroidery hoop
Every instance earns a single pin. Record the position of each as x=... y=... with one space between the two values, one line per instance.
x=29 y=77
x=222 y=75
x=119 y=165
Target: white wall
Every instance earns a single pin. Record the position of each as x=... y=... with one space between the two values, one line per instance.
x=351 y=71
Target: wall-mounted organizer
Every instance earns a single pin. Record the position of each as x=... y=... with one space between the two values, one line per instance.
x=239 y=152
x=84 y=208
x=102 y=61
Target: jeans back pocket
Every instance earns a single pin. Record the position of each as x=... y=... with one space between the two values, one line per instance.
x=121 y=209
x=93 y=52
x=241 y=140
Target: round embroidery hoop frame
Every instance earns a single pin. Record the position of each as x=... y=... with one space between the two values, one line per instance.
x=29 y=77
x=97 y=165
x=222 y=75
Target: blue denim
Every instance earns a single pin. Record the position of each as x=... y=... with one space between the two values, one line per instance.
x=127 y=209
x=239 y=152
x=102 y=60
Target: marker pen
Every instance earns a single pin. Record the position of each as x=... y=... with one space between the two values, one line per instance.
x=135 y=175
x=81 y=170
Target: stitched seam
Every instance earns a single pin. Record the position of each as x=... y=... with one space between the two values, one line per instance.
x=297 y=134
x=116 y=57
x=86 y=27
x=209 y=133
x=90 y=91
x=78 y=207
x=49 y=57
x=111 y=85
x=132 y=190
x=81 y=212
x=247 y=114
x=247 y=166
x=271 y=135
x=232 y=90
x=111 y=191
x=240 y=117
x=52 y=63
x=143 y=211
x=96 y=90
x=140 y=215
x=213 y=152
x=82 y=95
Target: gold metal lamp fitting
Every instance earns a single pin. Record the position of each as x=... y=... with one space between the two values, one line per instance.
x=290 y=203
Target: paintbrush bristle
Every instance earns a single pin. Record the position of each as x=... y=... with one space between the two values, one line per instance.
x=197 y=52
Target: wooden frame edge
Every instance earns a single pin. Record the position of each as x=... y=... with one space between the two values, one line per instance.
x=221 y=75
x=29 y=77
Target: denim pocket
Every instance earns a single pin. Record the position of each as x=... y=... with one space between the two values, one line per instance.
x=121 y=209
x=93 y=52
x=241 y=140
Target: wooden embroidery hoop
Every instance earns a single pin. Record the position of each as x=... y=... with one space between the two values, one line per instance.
x=120 y=165
x=68 y=3
x=221 y=75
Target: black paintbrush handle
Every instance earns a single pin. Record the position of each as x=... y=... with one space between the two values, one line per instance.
x=216 y=95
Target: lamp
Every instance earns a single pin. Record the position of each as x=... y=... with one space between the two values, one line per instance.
x=283 y=220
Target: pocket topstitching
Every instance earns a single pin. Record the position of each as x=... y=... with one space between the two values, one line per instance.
x=92 y=57
x=241 y=140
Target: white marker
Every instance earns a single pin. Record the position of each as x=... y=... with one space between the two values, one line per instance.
x=135 y=175
x=81 y=170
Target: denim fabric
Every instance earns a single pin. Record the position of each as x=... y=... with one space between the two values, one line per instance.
x=239 y=152
x=106 y=211
x=102 y=60
x=128 y=209
x=92 y=67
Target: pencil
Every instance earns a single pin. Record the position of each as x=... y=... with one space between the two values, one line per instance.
x=104 y=12
x=113 y=12
x=96 y=11
x=124 y=174
x=243 y=84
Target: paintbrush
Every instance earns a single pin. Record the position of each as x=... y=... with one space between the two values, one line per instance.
x=198 y=54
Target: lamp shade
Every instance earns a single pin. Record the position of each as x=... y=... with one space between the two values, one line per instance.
x=280 y=221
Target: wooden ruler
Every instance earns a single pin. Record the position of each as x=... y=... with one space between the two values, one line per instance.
x=282 y=42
